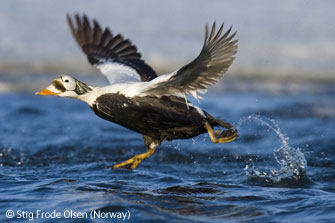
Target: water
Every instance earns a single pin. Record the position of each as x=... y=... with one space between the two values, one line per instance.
x=292 y=162
x=54 y=153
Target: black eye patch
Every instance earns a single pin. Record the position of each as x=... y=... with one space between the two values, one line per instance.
x=58 y=86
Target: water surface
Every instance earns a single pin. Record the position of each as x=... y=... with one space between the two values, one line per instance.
x=54 y=154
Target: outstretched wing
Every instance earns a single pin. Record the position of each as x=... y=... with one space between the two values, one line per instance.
x=114 y=56
x=208 y=68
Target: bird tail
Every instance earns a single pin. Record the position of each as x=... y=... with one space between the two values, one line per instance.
x=217 y=122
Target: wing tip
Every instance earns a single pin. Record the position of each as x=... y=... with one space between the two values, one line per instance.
x=214 y=36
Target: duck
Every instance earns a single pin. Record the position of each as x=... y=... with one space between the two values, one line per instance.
x=138 y=99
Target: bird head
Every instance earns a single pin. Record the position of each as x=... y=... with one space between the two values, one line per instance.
x=66 y=86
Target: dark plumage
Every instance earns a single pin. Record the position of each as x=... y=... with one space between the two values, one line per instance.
x=208 y=68
x=164 y=118
x=101 y=46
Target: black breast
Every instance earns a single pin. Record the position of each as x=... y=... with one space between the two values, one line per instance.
x=164 y=118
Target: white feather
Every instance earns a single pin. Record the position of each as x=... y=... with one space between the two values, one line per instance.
x=195 y=95
x=133 y=88
x=126 y=80
x=165 y=78
x=118 y=73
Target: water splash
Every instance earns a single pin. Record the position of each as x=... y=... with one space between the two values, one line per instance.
x=292 y=162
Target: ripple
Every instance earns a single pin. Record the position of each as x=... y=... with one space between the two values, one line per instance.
x=188 y=190
x=30 y=110
x=52 y=158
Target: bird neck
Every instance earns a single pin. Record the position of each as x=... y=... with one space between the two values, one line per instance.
x=82 y=88
x=90 y=96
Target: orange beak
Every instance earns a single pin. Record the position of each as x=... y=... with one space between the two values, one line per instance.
x=46 y=92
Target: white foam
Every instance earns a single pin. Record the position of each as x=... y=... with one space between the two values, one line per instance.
x=292 y=161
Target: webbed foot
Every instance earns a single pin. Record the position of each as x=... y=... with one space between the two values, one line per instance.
x=221 y=137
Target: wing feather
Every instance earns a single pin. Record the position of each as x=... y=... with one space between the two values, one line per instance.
x=112 y=55
x=106 y=37
x=208 y=68
x=96 y=33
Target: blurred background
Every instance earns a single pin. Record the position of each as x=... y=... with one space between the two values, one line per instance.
x=290 y=42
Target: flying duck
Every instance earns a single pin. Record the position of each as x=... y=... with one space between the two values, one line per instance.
x=140 y=100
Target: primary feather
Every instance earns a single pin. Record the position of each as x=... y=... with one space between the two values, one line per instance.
x=114 y=56
x=208 y=68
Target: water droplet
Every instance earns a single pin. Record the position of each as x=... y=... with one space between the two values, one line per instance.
x=292 y=162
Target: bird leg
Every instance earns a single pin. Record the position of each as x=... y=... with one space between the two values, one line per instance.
x=132 y=163
x=223 y=137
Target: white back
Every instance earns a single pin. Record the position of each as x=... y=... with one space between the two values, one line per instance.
x=118 y=73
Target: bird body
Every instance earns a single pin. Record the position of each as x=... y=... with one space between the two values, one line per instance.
x=140 y=100
x=163 y=118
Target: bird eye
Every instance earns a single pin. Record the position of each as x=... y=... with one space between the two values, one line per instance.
x=66 y=80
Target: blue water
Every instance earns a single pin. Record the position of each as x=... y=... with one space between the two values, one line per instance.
x=54 y=155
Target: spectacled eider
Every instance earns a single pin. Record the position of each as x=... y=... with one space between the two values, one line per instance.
x=138 y=99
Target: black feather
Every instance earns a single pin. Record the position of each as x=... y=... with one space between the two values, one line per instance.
x=213 y=61
x=161 y=118
x=101 y=46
